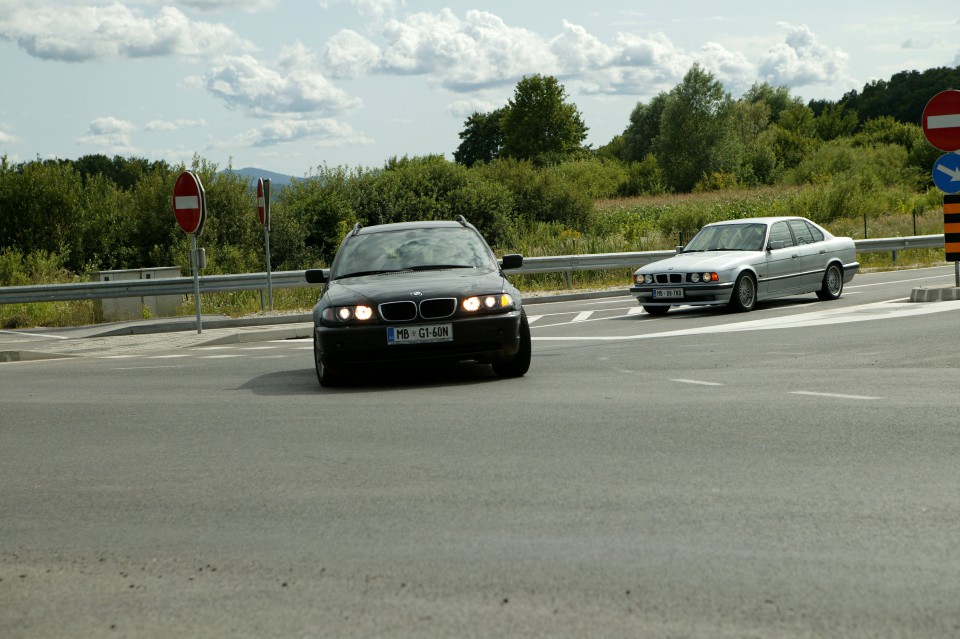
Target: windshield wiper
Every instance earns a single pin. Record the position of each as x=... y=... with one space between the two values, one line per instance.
x=438 y=267
x=376 y=272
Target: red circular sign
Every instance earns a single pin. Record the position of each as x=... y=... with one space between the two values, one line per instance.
x=941 y=120
x=261 y=202
x=188 y=202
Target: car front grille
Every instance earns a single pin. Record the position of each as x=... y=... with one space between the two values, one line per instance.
x=398 y=311
x=406 y=311
x=438 y=308
x=668 y=278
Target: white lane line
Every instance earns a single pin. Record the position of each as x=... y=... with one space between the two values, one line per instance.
x=835 y=395
x=151 y=368
x=696 y=381
x=18 y=333
x=533 y=318
x=823 y=317
x=219 y=356
x=582 y=317
x=174 y=356
x=635 y=310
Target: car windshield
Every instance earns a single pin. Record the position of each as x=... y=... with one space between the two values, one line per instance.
x=728 y=237
x=412 y=249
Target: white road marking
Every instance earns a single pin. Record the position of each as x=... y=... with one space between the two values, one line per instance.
x=836 y=395
x=19 y=334
x=634 y=310
x=533 y=318
x=226 y=356
x=697 y=382
x=824 y=317
x=173 y=356
x=582 y=317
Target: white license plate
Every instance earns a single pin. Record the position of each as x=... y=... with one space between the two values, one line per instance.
x=661 y=293
x=422 y=334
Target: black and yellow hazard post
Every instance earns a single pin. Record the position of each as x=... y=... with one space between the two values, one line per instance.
x=951 y=231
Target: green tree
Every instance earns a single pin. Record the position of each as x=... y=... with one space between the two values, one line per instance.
x=696 y=137
x=835 y=121
x=482 y=138
x=776 y=99
x=539 y=122
x=641 y=134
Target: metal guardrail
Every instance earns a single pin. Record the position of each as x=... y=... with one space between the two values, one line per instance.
x=566 y=264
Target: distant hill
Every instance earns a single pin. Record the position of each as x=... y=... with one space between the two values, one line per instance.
x=277 y=180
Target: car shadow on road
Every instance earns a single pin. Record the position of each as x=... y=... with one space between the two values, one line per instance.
x=304 y=381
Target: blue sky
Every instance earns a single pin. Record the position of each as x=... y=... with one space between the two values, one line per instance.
x=291 y=85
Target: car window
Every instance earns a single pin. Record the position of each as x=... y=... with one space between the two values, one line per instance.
x=408 y=249
x=728 y=237
x=802 y=231
x=780 y=232
x=817 y=233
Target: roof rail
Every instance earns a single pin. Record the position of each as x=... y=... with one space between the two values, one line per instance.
x=356 y=228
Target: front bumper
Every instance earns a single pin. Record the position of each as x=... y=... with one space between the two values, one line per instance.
x=486 y=338
x=700 y=295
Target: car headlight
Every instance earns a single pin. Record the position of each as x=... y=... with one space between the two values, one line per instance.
x=694 y=277
x=345 y=314
x=648 y=278
x=489 y=303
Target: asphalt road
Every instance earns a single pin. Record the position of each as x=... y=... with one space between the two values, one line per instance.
x=791 y=472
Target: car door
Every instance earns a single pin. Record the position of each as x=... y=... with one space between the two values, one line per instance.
x=783 y=262
x=812 y=252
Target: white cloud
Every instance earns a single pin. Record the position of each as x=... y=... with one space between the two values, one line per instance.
x=168 y=125
x=6 y=138
x=72 y=33
x=348 y=54
x=324 y=131
x=801 y=60
x=110 y=134
x=375 y=10
x=244 y=82
x=465 y=108
x=464 y=55
x=247 y=6
x=577 y=51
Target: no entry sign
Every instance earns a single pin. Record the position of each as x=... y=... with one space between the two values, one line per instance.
x=941 y=120
x=263 y=201
x=189 y=206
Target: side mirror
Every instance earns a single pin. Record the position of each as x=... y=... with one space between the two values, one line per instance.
x=678 y=249
x=776 y=244
x=512 y=261
x=316 y=276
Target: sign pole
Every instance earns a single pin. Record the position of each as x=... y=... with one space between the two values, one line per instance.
x=263 y=210
x=195 y=264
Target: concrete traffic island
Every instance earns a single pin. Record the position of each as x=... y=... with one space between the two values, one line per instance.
x=944 y=293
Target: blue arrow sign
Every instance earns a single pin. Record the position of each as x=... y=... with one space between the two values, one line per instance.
x=946 y=173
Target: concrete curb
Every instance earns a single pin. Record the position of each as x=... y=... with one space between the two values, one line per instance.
x=935 y=294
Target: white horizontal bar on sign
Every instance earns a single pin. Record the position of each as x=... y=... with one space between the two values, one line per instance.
x=186 y=202
x=943 y=121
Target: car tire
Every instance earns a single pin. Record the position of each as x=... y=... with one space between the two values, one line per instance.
x=656 y=310
x=744 y=296
x=519 y=364
x=832 y=283
x=325 y=375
